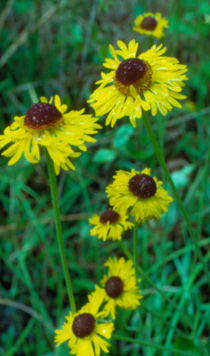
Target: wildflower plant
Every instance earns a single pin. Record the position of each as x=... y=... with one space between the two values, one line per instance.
x=135 y=85
x=47 y=125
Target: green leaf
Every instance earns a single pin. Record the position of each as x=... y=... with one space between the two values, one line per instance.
x=123 y=135
x=187 y=345
x=104 y=155
x=181 y=177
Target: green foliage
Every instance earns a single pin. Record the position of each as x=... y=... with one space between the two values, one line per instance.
x=184 y=344
x=64 y=54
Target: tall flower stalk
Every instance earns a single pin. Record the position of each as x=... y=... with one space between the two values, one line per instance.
x=47 y=125
x=54 y=195
x=135 y=248
x=179 y=201
x=136 y=84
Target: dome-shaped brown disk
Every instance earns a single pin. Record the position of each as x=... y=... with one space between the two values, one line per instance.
x=142 y=186
x=109 y=215
x=148 y=23
x=130 y=71
x=114 y=287
x=42 y=115
x=83 y=325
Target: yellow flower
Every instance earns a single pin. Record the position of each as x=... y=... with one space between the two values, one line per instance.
x=84 y=331
x=119 y=287
x=138 y=194
x=47 y=125
x=150 y=24
x=110 y=225
x=145 y=81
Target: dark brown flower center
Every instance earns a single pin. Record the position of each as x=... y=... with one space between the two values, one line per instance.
x=42 y=115
x=83 y=325
x=149 y=23
x=142 y=186
x=114 y=287
x=130 y=71
x=109 y=215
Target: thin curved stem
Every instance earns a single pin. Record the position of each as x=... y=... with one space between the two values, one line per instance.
x=135 y=249
x=54 y=195
x=181 y=206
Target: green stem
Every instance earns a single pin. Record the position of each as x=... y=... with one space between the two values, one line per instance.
x=144 y=275
x=54 y=195
x=135 y=249
x=151 y=41
x=181 y=206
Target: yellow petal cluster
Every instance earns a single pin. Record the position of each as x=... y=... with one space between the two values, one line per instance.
x=160 y=94
x=93 y=344
x=158 y=31
x=109 y=231
x=129 y=299
x=74 y=129
x=124 y=201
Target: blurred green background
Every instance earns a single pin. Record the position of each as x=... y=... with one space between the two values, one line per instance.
x=49 y=47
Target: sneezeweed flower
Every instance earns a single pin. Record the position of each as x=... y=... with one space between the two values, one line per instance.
x=146 y=81
x=47 y=124
x=110 y=225
x=150 y=24
x=138 y=194
x=119 y=287
x=85 y=330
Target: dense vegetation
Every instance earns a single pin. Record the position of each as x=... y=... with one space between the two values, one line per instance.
x=50 y=47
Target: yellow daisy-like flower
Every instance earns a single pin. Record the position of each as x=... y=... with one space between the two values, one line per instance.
x=110 y=225
x=49 y=125
x=119 y=287
x=85 y=331
x=150 y=24
x=145 y=81
x=138 y=194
